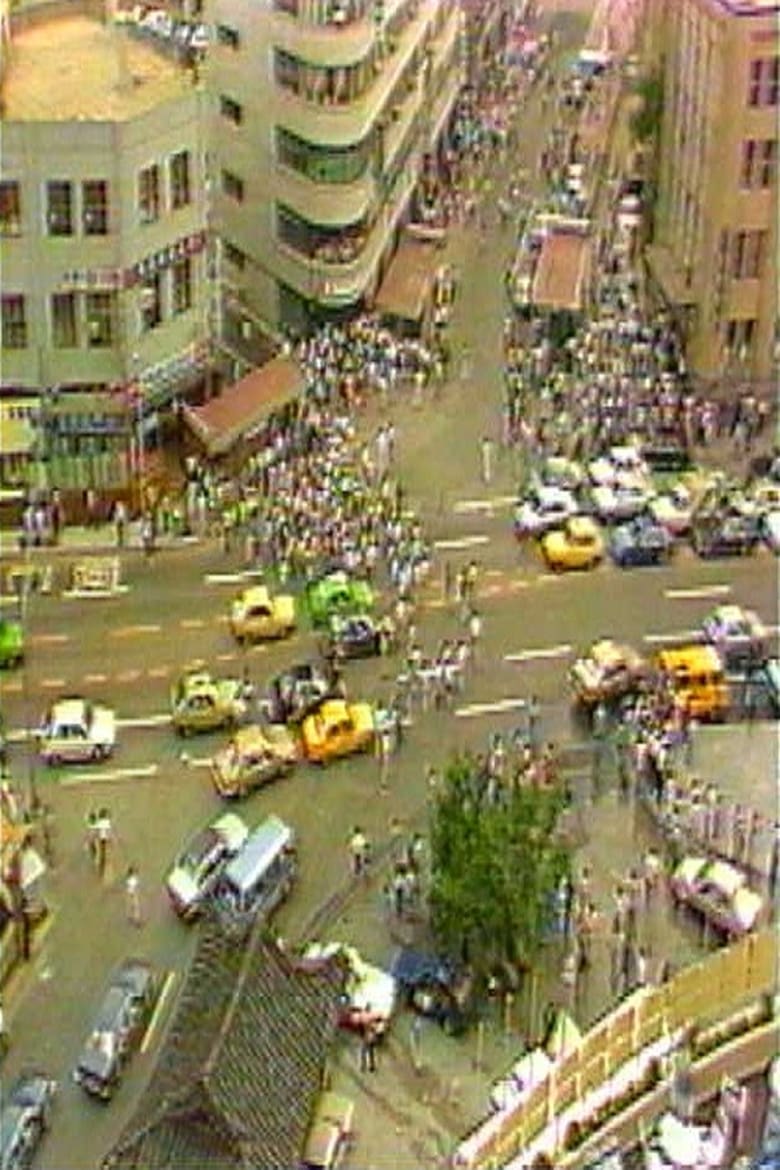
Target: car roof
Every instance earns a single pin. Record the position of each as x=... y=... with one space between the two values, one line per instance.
x=333 y=709
x=70 y=709
x=196 y=681
x=250 y=738
x=729 y=614
x=582 y=526
x=691 y=657
x=726 y=877
x=606 y=652
x=256 y=595
x=268 y=839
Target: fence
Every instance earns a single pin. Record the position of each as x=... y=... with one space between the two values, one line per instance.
x=616 y=1055
x=96 y=577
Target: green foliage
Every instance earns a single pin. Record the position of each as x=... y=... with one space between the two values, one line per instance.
x=646 y=121
x=495 y=867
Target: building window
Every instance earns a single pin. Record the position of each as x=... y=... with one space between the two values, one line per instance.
x=749 y=250
x=759 y=163
x=324 y=164
x=764 y=81
x=59 y=208
x=94 y=207
x=768 y=166
x=10 y=209
x=99 y=308
x=233 y=186
x=181 y=277
x=740 y=335
x=64 y=331
x=227 y=36
x=14 y=322
x=233 y=255
x=180 y=179
x=749 y=151
x=150 y=298
x=232 y=110
x=149 y=194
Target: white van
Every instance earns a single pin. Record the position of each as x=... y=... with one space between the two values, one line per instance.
x=259 y=877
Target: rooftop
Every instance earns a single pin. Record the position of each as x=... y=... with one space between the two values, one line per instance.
x=68 y=68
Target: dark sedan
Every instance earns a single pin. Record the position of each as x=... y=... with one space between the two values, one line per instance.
x=640 y=542
x=435 y=987
x=353 y=636
x=725 y=536
x=25 y=1118
x=118 y=1029
x=298 y=692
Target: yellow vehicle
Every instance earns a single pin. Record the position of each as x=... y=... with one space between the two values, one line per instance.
x=255 y=756
x=200 y=702
x=336 y=729
x=698 y=679
x=579 y=544
x=256 y=615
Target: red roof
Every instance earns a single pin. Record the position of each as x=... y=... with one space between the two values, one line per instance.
x=562 y=272
x=220 y=423
x=407 y=282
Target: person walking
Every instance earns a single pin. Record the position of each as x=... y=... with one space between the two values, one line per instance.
x=133 y=897
x=104 y=833
x=475 y=633
x=487 y=452
x=358 y=849
x=369 y=1042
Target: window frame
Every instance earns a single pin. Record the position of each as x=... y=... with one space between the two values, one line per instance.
x=232 y=185
x=100 y=305
x=181 y=191
x=151 y=316
x=149 y=214
x=231 y=110
x=11 y=220
x=14 y=326
x=72 y=332
x=101 y=227
x=65 y=185
x=184 y=264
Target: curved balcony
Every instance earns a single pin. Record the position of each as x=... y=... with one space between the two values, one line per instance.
x=344 y=125
x=328 y=204
x=324 y=44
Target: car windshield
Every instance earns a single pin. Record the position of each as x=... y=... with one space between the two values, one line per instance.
x=200 y=849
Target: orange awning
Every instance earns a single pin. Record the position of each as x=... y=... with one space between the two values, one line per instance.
x=561 y=277
x=407 y=282
x=220 y=423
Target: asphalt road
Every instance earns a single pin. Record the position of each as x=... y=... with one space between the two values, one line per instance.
x=127 y=650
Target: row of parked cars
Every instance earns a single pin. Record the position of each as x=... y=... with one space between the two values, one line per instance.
x=568 y=509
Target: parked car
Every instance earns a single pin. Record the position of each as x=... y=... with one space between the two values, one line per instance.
x=353 y=635
x=556 y=471
x=738 y=634
x=435 y=987
x=11 y=642
x=76 y=730
x=613 y=503
x=24 y=1118
x=622 y=464
x=606 y=672
x=370 y=993
x=578 y=545
x=198 y=867
x=666 y=451
x=296 y=692
x=698 y=679
x=255 y=756
x=640 y=542
x=769 y=527
x=200 y=702
x=256 y=615
x=719 y=893
x=542 y=509
x=337 y=592
x=673 y=509
x=337 y=728
x=725 y=535
x=118 y=1029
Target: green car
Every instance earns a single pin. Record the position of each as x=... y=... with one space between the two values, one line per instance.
x=11 y=643
x=337 y=593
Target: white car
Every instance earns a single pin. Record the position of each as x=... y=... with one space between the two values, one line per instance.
x=199 y=865
x=770 y=530
x=673 y=509
x=621 y=501
x=200 y=38
x=557 y=471
x=76 y=730
x=620 y=465
x=543 y=509
x=370 y=991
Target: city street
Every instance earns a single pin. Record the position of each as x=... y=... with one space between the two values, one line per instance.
x=128 y=650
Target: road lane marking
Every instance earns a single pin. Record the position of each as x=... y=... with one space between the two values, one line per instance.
x=131 y=631
x=196 y=761
x=158 y=1007
x=159 y=671
x=192 y=623
x=49 y=639
x=109 y=777
x=237 y=578
x=140 y=721
x=52 y=684
x=461 y=542
x=466 y=507
x=128 y=676
x=11 y=688
x=95 y=678
x=226 y=657
x=559 y=651
x=673 y=636
x=701 y=593
x=475 y=709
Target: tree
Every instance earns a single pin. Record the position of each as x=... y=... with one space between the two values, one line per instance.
x=646 y=120
x=496 y=864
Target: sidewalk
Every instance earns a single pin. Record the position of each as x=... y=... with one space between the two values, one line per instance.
x=80 y=539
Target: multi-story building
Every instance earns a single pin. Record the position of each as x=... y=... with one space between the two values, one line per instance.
x=487 y=23
x=102 y=232
x=715 y=251
x=322 y=114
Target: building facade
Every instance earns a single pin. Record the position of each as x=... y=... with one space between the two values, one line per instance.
x=322 y=114
x=715 y=250
x=102 y=231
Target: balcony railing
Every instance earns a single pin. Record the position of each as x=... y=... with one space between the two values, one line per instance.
x=324 y=13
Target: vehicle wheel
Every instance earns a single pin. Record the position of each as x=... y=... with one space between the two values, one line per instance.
x=97 y=754
x=54 y=760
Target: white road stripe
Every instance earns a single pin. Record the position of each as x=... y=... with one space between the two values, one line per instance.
x=49 y=639
x=223 y=578
x=158 y=1007
x=475 y=709
x=542 y=652
x=192 y=623
x=53 y=684
x=673 y=636
x=226 y=657
x=461 y=542
x=109 y=777
x=464 y=507
x=10 y=688
x=697 y=594
x=128 y=676
x=144 y=721
x=95 y=678
x=159 y=671
x=131 y=631
x=196 y=761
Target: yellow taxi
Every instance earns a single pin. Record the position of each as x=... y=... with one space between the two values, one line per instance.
x=336 y=729
x=200 y=702
x=256 y=615
x=579 y=544
x=255 y=756
x=698 y=680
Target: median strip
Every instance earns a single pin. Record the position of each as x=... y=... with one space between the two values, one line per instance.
x=109 y=777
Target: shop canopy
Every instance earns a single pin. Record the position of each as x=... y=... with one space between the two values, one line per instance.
x=407 y=283
x=562 y=273
x=245 y=405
